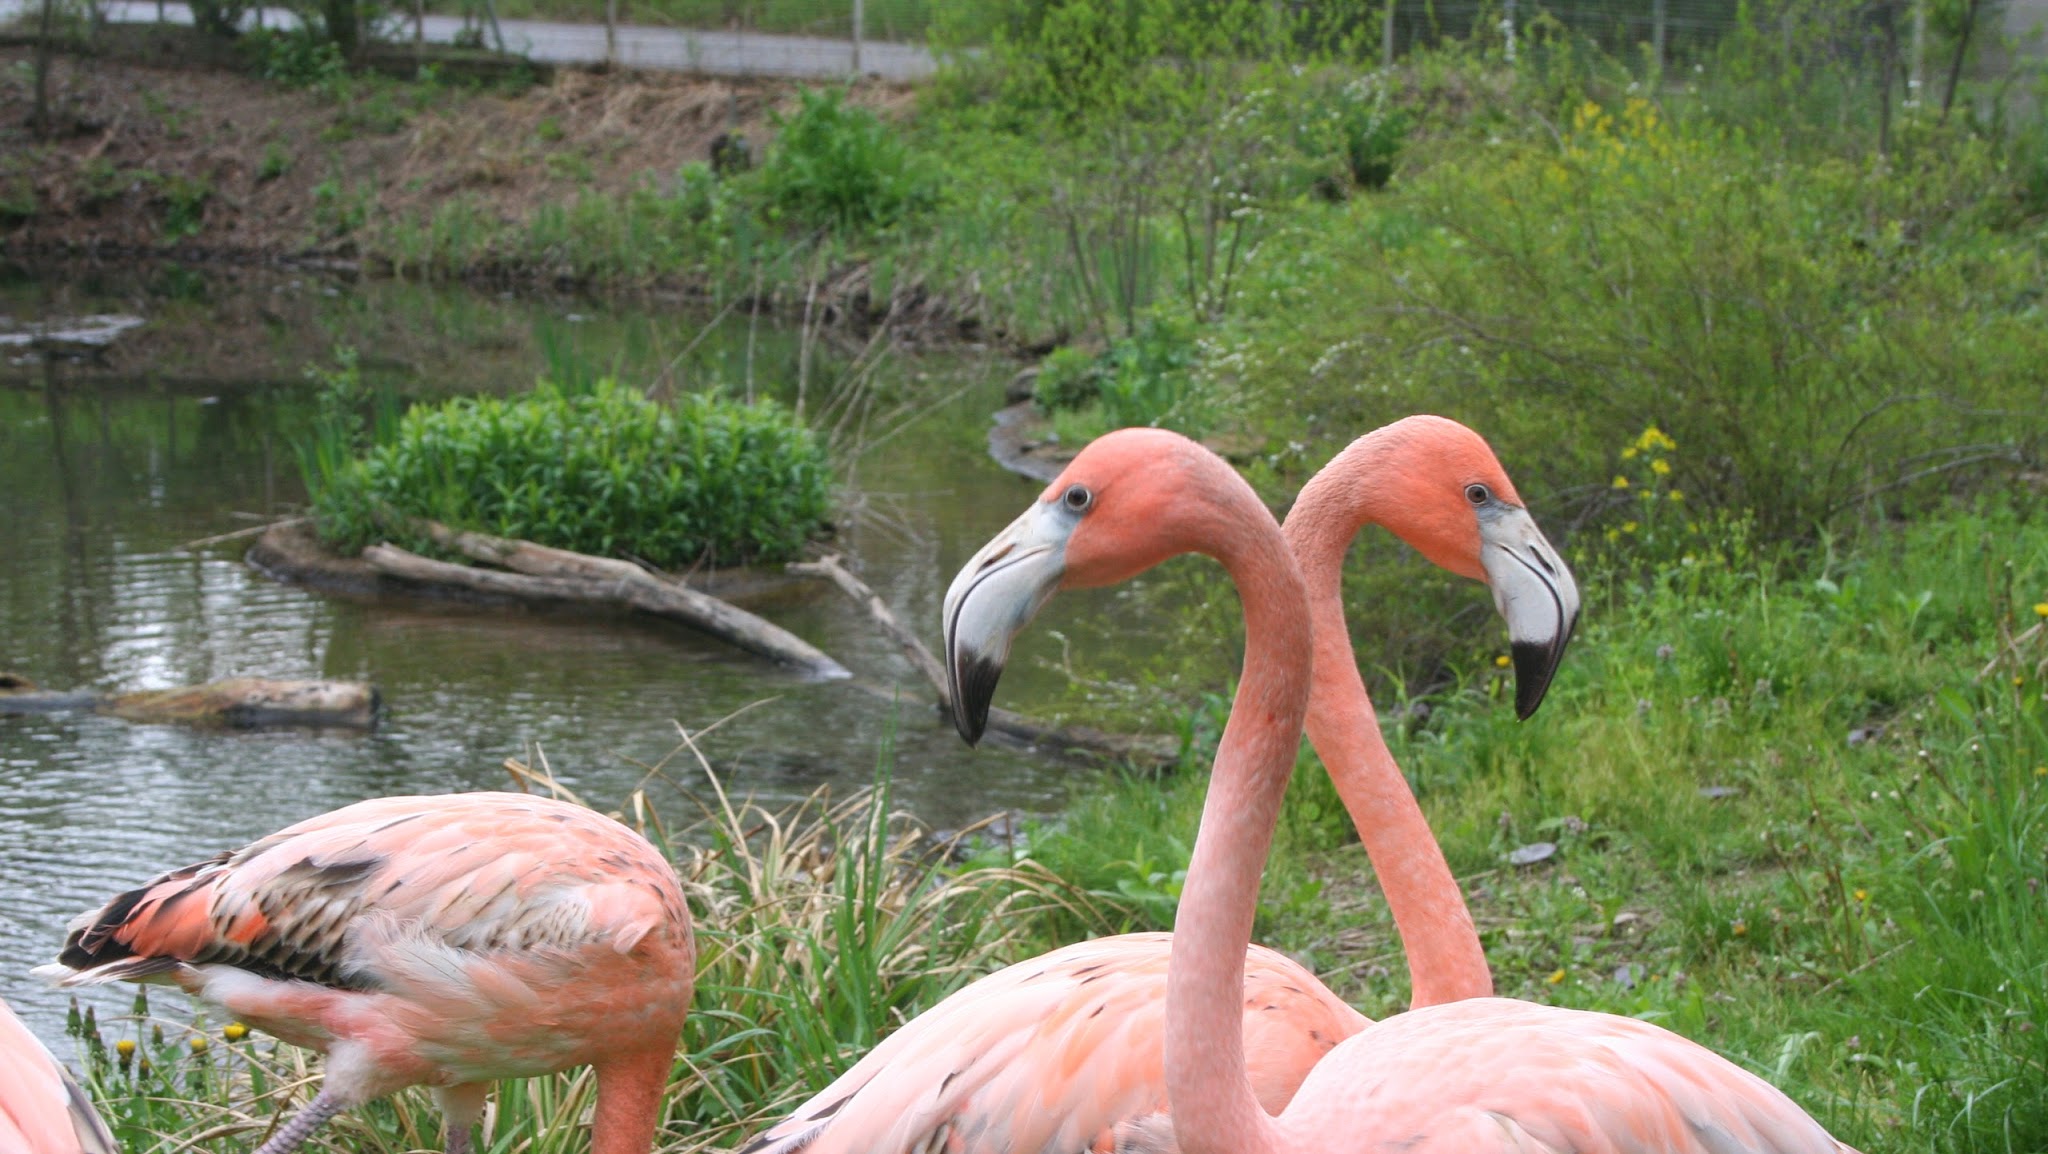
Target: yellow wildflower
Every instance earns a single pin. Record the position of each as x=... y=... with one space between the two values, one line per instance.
x=199 y=1043
x=1613 y=535
x=2041 y=771
x=1629 y=454
x=1740 y=928
x=125 y=1047
x=1628 y=526
x=2041 y=609
x=1620 y=482
x=1555 y=977
x=1503 y=661
x=1661 y=467
x=235 y=1032
x=1862 y=895
x=1677 y=496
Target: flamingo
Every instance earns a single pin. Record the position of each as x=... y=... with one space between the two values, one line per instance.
x=42 y=1110
x=449 y=941
x=1476 y=1076
x=1077 y=1035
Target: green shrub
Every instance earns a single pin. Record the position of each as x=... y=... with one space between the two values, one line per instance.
x=838 y=165
x=1139 y=380
x=607 y=472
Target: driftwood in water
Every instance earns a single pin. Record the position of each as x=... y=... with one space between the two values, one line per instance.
x=549 y=574
x=1143 y=748
x=237 y=701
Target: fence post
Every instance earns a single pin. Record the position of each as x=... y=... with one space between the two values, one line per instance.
x=1657 y=33
x=858 y=13
x=1387 y=37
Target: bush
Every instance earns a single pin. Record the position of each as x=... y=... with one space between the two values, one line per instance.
x=607 y=472
x=1139 y=380
x=837 y=165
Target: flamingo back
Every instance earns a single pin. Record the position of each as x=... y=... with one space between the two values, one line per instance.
x=478 y=935
x=42 y=1110
x=1053 y=1055
x=1494 y=1075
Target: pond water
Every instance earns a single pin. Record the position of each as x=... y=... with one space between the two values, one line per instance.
x=187 y=429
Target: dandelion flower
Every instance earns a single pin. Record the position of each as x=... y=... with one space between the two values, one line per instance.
x=1661 y=467
x=1555 y=977
x=125 y=1047
x=1503 y=661
x=2041 y=609
x=1862 y=895
x=235 y=1032
x=1621 y=482
x=199 y=1043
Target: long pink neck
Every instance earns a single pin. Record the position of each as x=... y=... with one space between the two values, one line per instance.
x=1445 y=960
x=1214 y=1111
x=629 y=1093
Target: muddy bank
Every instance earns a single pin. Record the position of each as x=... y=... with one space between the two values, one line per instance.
x=176 y=151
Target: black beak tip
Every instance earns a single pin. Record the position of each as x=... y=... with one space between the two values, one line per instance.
x=974 y=687
x=1535 y=666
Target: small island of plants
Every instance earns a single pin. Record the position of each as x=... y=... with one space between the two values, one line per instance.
x=601 y=470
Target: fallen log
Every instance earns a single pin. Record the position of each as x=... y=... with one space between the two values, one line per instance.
x=242 y=702
x=548 y=574
x=1148 y=749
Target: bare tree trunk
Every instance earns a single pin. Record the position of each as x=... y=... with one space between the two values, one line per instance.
x=1955 y=65
x=41 y=121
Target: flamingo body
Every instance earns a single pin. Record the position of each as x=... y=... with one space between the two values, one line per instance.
x=1497 y=1075
x=1055 y=1053
x=448 y=941
x=42 y=1110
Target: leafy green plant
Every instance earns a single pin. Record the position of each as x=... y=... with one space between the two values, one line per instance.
x=605 y=471
x=837 y=164
x=1144 y=379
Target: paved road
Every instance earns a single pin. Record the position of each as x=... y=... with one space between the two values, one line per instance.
x=713 y=53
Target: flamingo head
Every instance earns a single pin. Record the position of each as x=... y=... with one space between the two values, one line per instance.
x=1128 y=501
x=1438 y=486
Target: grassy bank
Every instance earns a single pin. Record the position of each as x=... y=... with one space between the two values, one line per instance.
x=1797 y=800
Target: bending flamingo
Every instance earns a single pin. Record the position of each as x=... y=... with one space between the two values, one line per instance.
x=42 y=1111
x=1059 y=1051
x=448 y=941
x=1476 y=1076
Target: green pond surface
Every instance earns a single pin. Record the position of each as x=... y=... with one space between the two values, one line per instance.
x=188 y=427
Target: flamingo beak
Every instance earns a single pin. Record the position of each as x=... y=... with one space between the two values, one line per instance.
x=1534 y=593
x=995 y=596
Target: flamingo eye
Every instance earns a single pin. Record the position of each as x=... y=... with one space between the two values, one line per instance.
x=1477 y=494
x=1078 y=498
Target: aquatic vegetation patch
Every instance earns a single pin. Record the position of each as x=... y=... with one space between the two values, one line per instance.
x=604 y=471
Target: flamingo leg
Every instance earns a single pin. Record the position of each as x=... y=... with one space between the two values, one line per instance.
x=462 y=1107
x=326 y=1105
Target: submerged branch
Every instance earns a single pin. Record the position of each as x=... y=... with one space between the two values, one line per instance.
x=1147 y=749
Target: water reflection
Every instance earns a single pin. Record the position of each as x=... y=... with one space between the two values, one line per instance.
x=109 y=467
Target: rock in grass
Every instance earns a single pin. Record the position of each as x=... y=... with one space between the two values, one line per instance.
x=1534 y=852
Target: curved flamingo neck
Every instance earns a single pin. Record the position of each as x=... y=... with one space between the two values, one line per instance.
x=1445 y=960
x=629 y=1093
x=1214 y=1110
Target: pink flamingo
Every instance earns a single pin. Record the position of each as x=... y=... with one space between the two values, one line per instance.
x=1473 y=1076
x=42 y=1111
x=449 y=941
x=1079 y=1032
